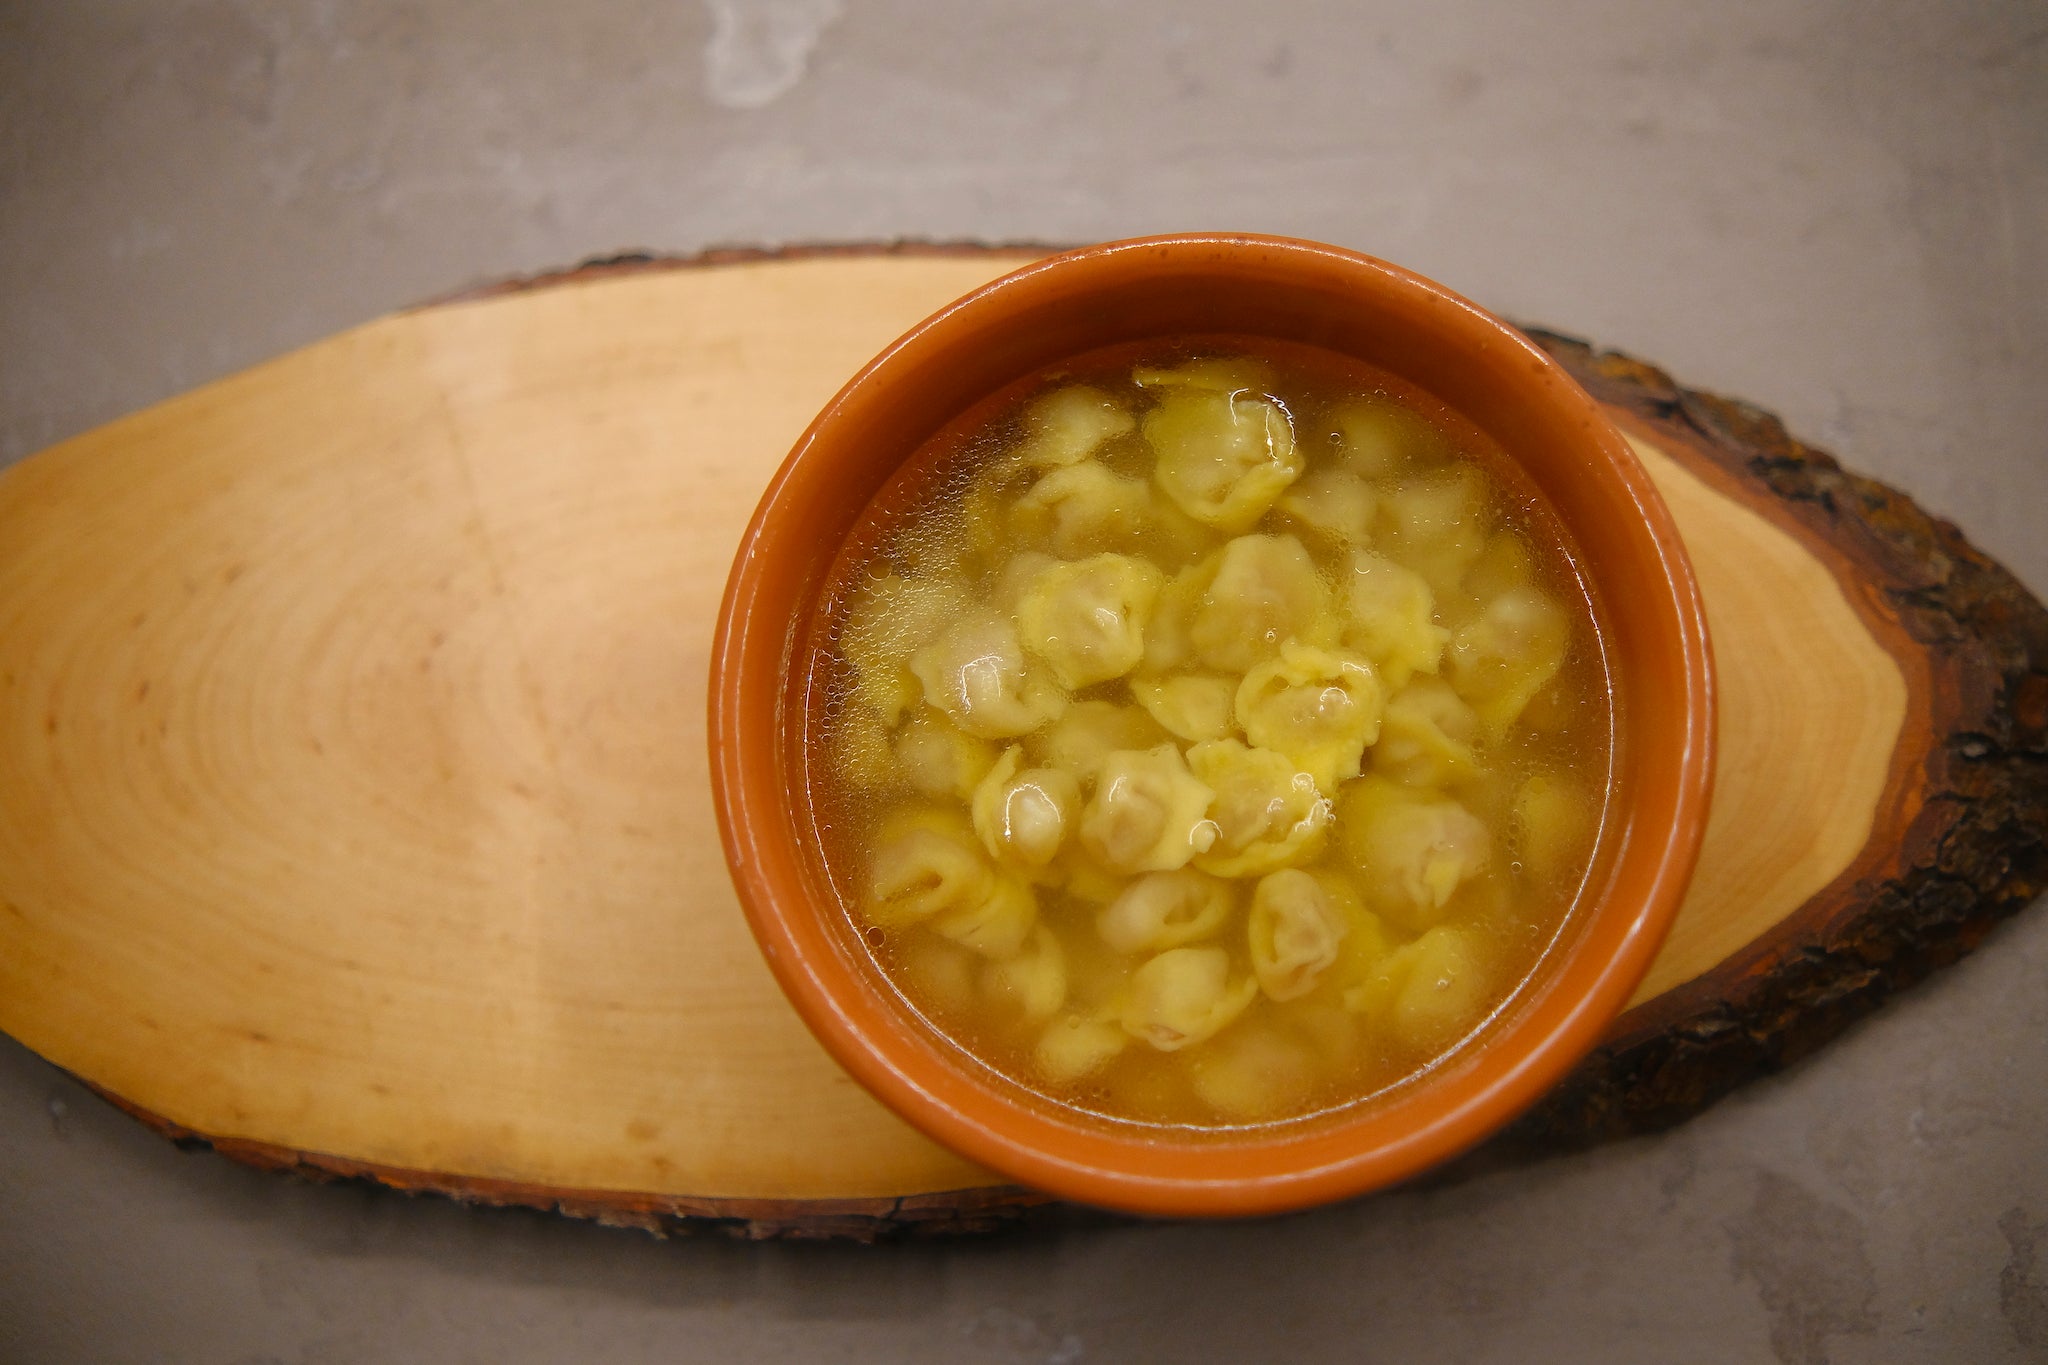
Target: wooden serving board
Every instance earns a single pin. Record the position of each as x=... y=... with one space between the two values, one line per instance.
x=353 y=803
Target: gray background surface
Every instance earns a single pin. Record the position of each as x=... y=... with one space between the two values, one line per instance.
x=1837 y=210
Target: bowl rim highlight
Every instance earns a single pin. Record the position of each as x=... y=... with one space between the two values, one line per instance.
x=1291 y=290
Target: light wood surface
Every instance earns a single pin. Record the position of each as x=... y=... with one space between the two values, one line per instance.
x=352 y=781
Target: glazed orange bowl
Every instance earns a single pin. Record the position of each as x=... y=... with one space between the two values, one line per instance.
x=1212 y=305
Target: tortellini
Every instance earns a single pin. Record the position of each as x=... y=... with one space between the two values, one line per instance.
x=1260 y=591
x=1334 y=504
x=1032 y=983
x=1505 y=657
x=1319 y=707
x=1413 y=849
x=1554 y=823
x=1068 y=425
x=938 y=759
x=1427 y=736
x=1268 y=813
x=1086 y=618
x=1023 y=817
x=1190 y=706
x=924 y=863
x=1085 y=507
x=1075 y=1046
x=1296 y=931
x=977 y=673
x=1149 y=813
x=1088 y=732
x=1208 y=752
x=890 y=618
x=1438 y=524
x=927 y=870
x=1224 y=458
x=1165 y=910
x=1393 y=618
x=1254 y=1073
x=1184 y=996
x=1378 y=438
x=1427 y=993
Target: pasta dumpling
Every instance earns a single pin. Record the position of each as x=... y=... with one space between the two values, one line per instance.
x=1164 y=910
x=995 y=925
x=1085 y=507
x=1554 y=823
x=1086 y=618
x=976 y=672
x=1393 y=618
x=1429 y=993
x=925 y=862
x=1190 y=706
x=1319 y=707
x=1378 y=438
x=1022 y=817
x=1183 y=996
x=1412 y=849
x=1148 y=814
x=1068 y=425
x=890 y=617
x=1508 y=654
x=1427 y=736
x=1261 y=590
x=1223 y=458
x=1503 y=564
x=1088 y=732
x=938 y=759
x=1438 y=525
x=1031 y=984
x=1296 y=931
x=1076 y=1046
x=1268 y=813
x=1253 y=1073
x=1335 y=504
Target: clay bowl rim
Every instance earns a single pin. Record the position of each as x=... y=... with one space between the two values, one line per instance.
x=1665 y=748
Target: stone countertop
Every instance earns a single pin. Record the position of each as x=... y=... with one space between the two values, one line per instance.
x=1837 y=210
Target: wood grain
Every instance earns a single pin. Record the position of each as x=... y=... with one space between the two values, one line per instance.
x=353 y=810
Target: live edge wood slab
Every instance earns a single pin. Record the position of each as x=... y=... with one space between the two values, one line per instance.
x=353 y=807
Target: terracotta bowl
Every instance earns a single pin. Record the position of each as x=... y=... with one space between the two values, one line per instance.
x=762 y=682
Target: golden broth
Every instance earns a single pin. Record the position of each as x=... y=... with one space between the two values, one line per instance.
x=1217 y=732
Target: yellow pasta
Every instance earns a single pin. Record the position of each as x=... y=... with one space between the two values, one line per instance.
x=1222 y=740
x=1085 y=507
x=1148 y=813
x=1183 y=996
x=1024 y=817
x=1295 y=932
x=1261 y=591
x=1269 y=813
x=1068 y=425
x=1086 y=618
x=976 y=671
x=1224 y=458
x=938 y=759
x=1165 y=910
x=1319 y=707
x=1191 y=706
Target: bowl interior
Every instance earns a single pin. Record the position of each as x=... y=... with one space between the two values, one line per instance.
x=763 y=690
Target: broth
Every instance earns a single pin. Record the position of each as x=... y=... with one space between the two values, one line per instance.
x=1217 y=732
